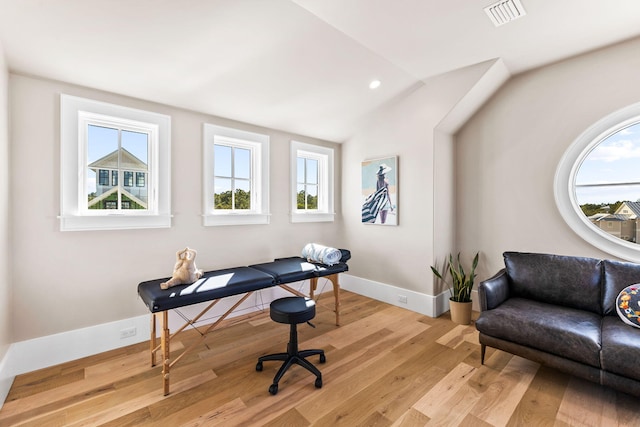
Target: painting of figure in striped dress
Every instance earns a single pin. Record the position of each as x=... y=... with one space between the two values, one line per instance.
x=379 y=191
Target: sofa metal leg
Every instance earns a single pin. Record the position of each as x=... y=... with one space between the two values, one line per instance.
x=483 y=349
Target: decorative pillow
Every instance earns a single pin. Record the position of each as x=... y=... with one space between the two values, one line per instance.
x=628 y=305
x=314 y=252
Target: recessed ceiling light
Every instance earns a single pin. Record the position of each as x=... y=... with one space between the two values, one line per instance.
x=375 y=84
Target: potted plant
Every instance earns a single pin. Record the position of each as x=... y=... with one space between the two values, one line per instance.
x=460 y=287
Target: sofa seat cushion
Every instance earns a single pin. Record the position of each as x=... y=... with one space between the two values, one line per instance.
x=563 y=331
x=620 y=345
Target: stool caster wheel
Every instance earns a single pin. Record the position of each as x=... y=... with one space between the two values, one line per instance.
x=318 y=382
x=259 y=367
x=273 y=389
x=323 y=359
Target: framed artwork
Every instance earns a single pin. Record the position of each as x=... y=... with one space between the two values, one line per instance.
x=380 y=191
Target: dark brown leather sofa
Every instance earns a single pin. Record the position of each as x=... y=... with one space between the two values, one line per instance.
x=560 y=311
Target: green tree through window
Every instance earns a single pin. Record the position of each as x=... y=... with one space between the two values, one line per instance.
x=226 y=200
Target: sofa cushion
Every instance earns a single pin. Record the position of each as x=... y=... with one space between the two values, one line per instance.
x=619 y=345
x=628 y=305
x=617 y=276
x=555 y=279
x=565 y=332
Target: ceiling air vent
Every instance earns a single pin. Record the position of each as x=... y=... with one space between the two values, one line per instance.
x=503 y=12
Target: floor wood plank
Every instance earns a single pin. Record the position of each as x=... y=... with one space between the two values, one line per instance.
x=385 y=366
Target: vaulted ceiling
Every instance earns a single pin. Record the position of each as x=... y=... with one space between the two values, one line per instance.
x=302 y=66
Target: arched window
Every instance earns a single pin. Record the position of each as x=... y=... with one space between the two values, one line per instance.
x=597 y=184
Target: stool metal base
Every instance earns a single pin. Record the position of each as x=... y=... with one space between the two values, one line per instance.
x=291 y=357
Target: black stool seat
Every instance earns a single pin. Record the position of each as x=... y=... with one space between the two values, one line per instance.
x=293 y=310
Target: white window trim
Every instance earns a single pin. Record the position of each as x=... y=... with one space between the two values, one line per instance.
x=259 y=145
x=325 y=211
x=73 y=216
x=565 y=177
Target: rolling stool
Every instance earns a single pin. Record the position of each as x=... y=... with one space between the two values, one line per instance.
x=293 y=310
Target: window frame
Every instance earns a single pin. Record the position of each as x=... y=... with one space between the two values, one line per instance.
x=75 y=113
x=258 y=144
x=565 y=182
x=326 y=189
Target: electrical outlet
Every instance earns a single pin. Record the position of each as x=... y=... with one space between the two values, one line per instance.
x=402 y=299
x=126 y=333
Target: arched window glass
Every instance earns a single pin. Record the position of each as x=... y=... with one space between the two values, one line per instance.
x=597 y=184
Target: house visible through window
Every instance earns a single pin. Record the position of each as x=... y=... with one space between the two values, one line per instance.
x=597 y=184
x=311 y=183
x=236 y=176
x=122 y=151
x=114 y=144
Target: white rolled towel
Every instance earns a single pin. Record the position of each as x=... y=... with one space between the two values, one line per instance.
x=314 y=252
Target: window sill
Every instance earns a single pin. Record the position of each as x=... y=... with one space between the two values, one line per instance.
x=312 y=217
x=115 y=222
x=234 y=219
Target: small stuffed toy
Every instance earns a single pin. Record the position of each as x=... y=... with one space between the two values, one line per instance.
x=185 y=271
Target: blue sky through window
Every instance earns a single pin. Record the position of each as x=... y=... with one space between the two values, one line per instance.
x=611 y=171
x=222 y=167
x=102 y=141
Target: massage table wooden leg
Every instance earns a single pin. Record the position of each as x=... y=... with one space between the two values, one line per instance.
x=164 y=339
x=152 y=341
x=336 y=295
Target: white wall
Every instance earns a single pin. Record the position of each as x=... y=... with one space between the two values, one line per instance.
x=508 y=152
x=6 y=310
x=399 y=257
x=67 y=281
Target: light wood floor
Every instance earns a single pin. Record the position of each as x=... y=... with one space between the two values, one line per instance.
x=386 y=366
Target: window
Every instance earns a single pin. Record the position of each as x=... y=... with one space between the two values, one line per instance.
x=311 y=183
x=99 y=140
x=597 y=184
x=236 y=176
x=232 y=179
x=128 y=179
x=104 y=177
x=307 y=190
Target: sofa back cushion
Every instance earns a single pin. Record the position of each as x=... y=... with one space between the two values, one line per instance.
x=556 y=279
x=617 y=276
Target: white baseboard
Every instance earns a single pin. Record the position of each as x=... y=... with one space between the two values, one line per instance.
x=6 y=379
x=38 y=353
x=430 y=305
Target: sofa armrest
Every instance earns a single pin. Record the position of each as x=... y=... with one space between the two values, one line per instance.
x=493 y=291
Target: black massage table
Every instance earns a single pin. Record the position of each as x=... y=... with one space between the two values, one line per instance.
x=218 y=284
